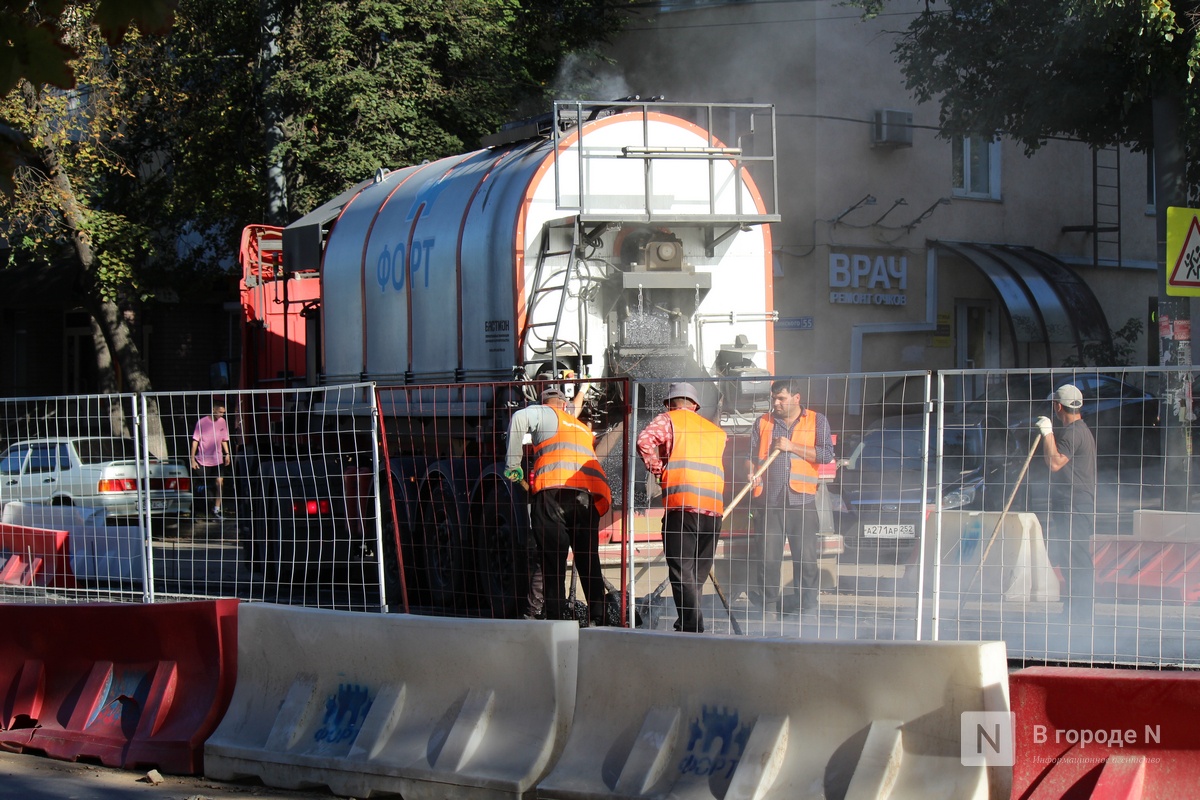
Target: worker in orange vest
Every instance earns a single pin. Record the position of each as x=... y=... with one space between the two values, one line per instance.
x=684 y=451
x=570 y=494
x=804 y=438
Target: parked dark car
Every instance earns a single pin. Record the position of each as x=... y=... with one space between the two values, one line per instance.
x=897 y=397
x=1123 y=418
x=296 y=520
x=879 y=502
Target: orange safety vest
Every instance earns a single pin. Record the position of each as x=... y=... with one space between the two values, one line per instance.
x=803 y=476
x=568 y=459
x=695 y=473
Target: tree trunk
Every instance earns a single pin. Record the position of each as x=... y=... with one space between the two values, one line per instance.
x=106 y=376
x=271 y=13
x=105 y=311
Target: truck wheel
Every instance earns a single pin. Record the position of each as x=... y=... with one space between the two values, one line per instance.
x=499 y=547
x=439 y=544
x=391 y=556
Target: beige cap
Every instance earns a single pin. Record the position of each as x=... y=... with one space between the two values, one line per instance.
x=1069 y=396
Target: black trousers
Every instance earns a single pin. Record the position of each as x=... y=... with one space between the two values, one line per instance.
x=689 y=542
x=798 y=526
x=1069 y=545
x=560 y=519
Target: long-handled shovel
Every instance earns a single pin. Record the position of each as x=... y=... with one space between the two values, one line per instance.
x=758 y=473
x=1012 y=495
x=733 y=623
x=712 y=575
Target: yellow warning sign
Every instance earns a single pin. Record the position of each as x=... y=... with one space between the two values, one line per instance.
x=1183 y=251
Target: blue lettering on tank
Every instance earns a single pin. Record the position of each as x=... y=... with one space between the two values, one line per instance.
x=390 y=268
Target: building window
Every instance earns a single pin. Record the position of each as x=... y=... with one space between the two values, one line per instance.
x=977 y=167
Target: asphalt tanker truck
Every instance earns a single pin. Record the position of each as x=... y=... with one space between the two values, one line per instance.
x=612 y=241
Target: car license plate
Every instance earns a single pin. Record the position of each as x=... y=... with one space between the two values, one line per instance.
x=158 y=505
x=890 y=531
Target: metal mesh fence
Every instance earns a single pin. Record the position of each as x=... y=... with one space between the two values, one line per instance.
x=935 y=516
x=464 y=534
x=791 y=562
x=1091 y=568
x=948 y=521
x=74 y=491
x=289 y=515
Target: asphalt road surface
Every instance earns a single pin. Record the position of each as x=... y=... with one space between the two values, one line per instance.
x=30 y=777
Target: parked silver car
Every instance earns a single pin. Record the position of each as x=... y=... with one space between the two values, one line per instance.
x=91 y=471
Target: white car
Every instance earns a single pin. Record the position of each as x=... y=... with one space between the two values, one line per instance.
x=92 y=471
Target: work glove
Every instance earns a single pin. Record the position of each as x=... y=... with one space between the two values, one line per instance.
x=514 y=474
x=1044 y=425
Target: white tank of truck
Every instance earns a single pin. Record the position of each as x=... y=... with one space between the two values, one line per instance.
x=613 y=239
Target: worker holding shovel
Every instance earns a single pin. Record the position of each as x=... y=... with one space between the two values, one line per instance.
x=1070 y=454
x=803 y=438
x=684 y=451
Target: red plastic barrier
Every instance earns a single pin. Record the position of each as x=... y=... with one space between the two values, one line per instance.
x=49 y=546
x=16 y=572
x=1148 y=571
x=1058 y=708
x=132 y=686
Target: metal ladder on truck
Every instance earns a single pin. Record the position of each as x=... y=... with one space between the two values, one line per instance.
x=546 y=284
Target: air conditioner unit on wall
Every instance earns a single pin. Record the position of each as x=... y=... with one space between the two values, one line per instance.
x=892 y=128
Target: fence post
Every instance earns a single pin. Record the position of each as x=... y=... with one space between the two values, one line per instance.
x=627 y=551
x=376 y=431
x=142 y=444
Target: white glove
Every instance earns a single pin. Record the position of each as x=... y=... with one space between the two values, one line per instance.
x=1045 y=426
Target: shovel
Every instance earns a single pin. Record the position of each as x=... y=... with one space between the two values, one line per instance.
x=1012 y=495
x=758 y=473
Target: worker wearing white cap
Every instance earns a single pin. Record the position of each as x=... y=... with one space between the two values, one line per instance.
x=1070 y=454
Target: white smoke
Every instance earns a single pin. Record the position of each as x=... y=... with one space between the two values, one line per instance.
x=588 y=77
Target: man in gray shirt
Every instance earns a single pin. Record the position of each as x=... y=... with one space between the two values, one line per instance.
x=1070 y=455
x=570 y=494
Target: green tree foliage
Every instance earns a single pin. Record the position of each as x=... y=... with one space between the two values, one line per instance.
x=67 y=144
x=37 y=47
x=138 y=158
x=370 y=83
x=1032 y=69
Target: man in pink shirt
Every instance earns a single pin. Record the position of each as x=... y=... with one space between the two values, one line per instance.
x=210 y=451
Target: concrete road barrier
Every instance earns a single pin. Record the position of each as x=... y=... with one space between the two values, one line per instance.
x=682 y=716
x=133 y=686
x=1105 y=733
x=35 y=556
x=1160 y=561
x=1017 y=568
x=421 y=706
x=99 y=552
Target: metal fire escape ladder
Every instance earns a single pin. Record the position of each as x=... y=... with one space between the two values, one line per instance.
x=548 y=283
x=1106 y=207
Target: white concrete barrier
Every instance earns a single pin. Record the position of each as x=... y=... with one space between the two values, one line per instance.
x=1017 y=568
x=1151 y=525
x=100 y=553
x=671 y=715
x=424 y=707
